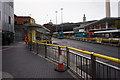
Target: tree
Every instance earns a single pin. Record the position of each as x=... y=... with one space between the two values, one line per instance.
x=116 y=25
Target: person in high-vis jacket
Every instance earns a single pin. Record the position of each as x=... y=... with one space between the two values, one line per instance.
x=26 y=40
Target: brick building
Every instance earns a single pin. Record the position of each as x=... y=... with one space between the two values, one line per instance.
x=66 y=26
x=20 y=20
x=50 y=27
x=19 y=26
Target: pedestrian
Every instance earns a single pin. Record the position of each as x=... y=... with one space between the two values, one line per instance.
x=26 y=40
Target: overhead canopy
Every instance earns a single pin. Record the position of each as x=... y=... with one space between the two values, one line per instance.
x=33 y=25
x=37 y=27
x=102 y=21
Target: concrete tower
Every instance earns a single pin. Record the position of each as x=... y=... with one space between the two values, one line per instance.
x=119 y=9
x=84 y=18
x=107 y=8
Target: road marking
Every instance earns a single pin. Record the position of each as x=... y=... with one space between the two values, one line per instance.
x=6 y=75
x=10 y=48
x=4 y=49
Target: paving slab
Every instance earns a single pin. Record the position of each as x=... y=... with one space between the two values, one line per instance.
x=19 y=62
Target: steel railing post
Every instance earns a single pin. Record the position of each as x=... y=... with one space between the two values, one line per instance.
x=76 y=63
x=93 y=66
x=45 y=51
x=68 y=58
x=119 y=43
x=30 y=46
x=58 y=50
x=37 y=48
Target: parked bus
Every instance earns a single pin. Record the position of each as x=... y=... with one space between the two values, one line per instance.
x=68 y=34
x=55 y=35
x=60 y=35
x=81 y=33
x=105 y=33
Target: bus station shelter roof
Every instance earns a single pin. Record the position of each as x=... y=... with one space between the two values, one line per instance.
x=102 y=21
x=37 y=27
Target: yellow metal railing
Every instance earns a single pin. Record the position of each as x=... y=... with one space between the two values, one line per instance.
x=107 y=58
x=85 y=52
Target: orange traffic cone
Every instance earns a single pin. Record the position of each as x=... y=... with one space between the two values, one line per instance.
x=60 y=66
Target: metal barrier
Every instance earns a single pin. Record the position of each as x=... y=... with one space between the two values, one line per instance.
x=114 y=42
x=84 y=64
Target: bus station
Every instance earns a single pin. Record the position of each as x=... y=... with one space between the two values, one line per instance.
x=82 y=45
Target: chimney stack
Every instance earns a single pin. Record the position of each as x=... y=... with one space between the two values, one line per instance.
x=107 y=8
x=119 y=9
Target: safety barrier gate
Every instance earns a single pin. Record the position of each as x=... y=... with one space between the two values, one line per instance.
x=86 y=65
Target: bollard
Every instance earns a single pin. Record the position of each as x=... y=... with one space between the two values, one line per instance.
x=93 y=66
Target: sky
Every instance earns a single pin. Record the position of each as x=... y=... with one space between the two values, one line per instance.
x=73 y=10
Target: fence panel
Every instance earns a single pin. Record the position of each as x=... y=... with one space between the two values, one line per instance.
x=52 y=53
x=84 y=65
x=41 y=50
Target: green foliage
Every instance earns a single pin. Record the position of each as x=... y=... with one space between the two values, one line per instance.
x=116 y=25
x=112 y=26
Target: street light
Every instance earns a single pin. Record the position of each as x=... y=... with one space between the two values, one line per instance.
x=61 y=19
x=61 y=15
x=56 y=20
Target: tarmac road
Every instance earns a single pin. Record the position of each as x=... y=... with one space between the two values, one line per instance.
x=97 y=48
x=111 y=51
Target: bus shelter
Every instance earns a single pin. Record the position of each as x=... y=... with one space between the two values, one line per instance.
x=37 y=32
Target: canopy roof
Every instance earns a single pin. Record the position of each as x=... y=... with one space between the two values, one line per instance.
x=37 y=27
x=101 y=21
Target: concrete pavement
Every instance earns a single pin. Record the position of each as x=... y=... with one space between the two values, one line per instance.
x=19 y=62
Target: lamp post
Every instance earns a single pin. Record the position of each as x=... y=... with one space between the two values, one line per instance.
x=56 y=20
x=61 y=19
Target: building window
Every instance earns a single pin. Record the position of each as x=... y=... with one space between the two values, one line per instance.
x=32 y=21
x=9 y=20
x=26 y=21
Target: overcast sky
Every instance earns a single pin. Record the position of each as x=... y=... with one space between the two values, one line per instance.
x=44 y=10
